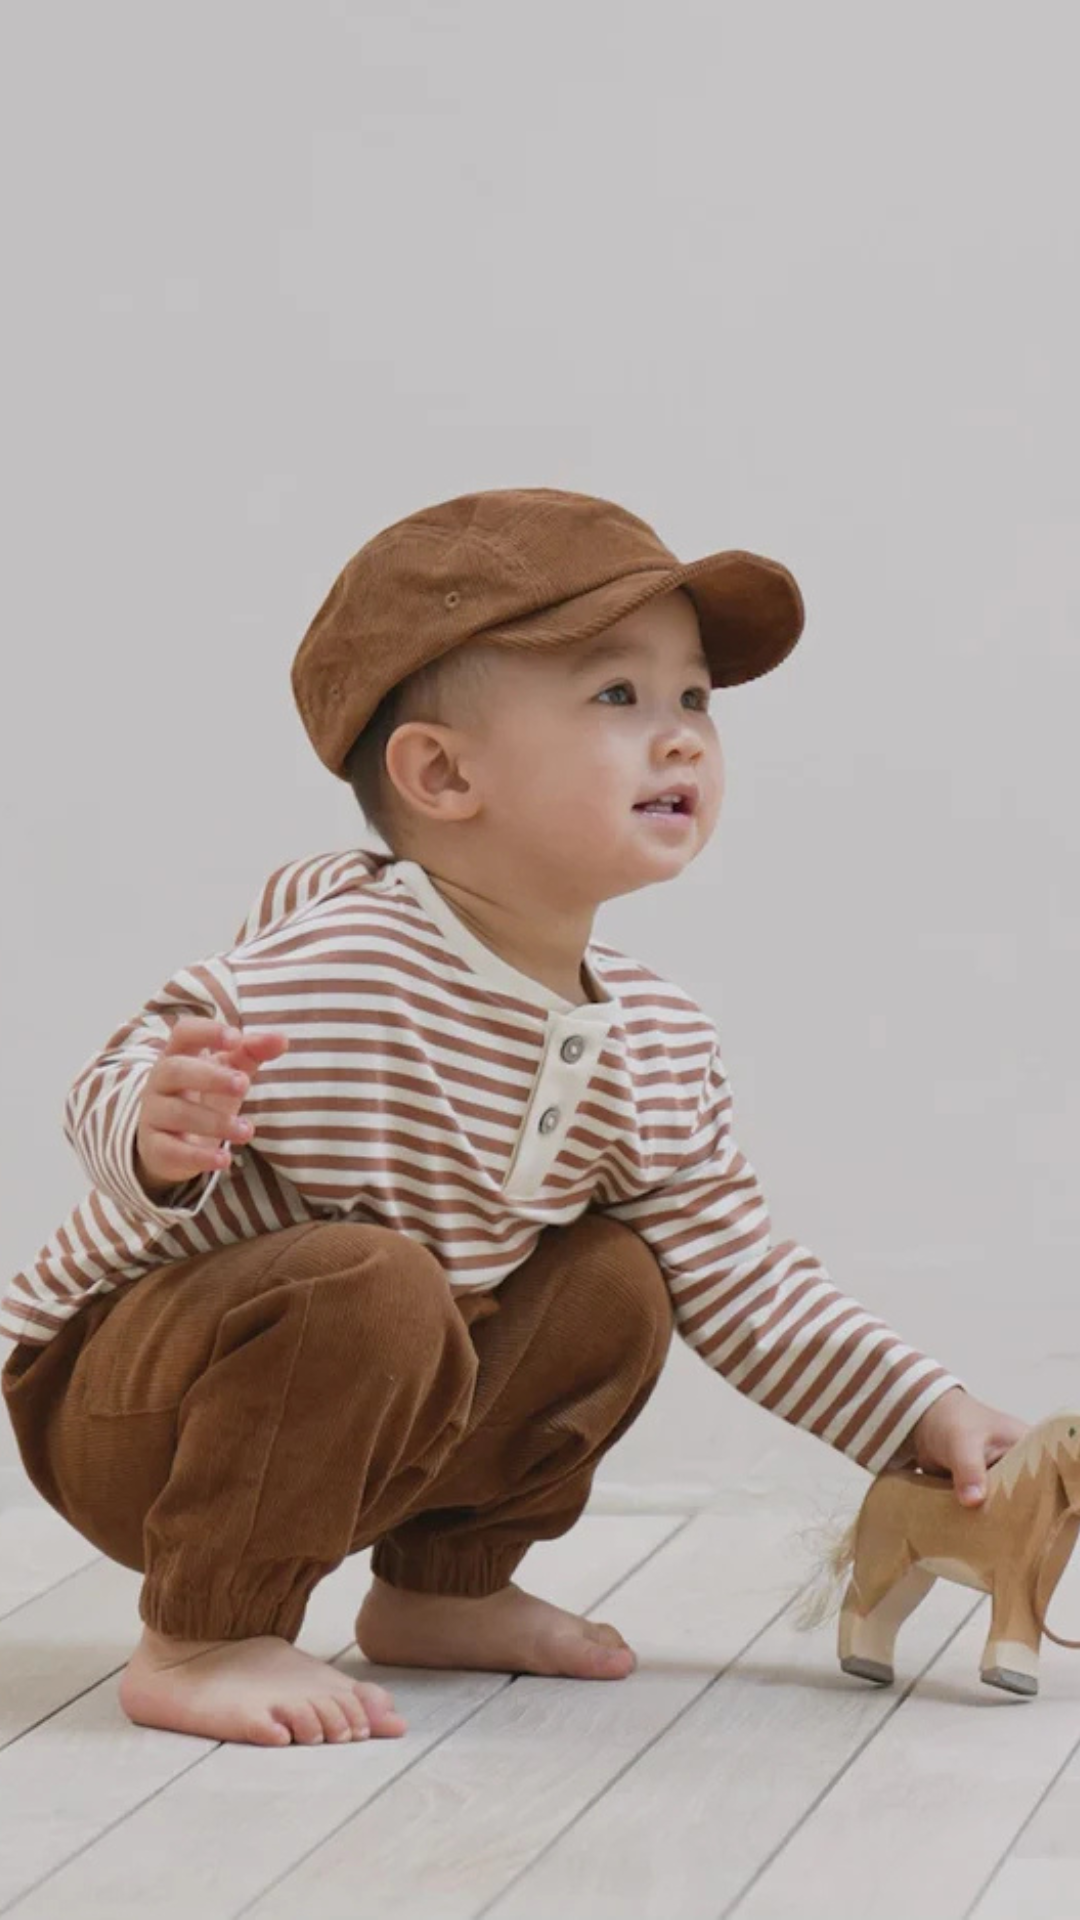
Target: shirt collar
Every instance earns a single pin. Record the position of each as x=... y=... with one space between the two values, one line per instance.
x=492 y=969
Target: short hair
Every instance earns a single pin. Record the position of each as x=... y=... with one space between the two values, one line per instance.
x=448 y=692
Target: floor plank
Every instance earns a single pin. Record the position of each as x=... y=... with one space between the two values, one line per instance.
x=479 y=1807
x=63 y=1642
x=1031 y=1890
x=37 y=1549
x=686 y=1828
x=936 y=1800
x=163 y=1822
x=1041 y=1875
x=737 y=1773
x=107 y=1767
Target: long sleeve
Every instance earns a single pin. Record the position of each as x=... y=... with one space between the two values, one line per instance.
x=101 y=1112
x=768 y=1317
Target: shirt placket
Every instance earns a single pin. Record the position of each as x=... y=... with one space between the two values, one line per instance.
x=572 y=1047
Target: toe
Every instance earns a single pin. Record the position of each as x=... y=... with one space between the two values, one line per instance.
x=609 y=1637
x=603 y=1661
x=336 y=1724
x=603 y=1630
x=303 y=1721
x=379 y=1708
x=582 y=1657
x=617 y=1660
x=392 y=1727
x=270 y=1732
x=375 y=1698
x=353 y=1709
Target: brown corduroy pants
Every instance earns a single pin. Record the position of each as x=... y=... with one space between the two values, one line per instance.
x=235 y=1424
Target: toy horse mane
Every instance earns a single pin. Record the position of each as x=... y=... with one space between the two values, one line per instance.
x=1059 y=1434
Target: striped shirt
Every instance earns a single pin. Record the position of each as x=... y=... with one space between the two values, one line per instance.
x=430 y=1087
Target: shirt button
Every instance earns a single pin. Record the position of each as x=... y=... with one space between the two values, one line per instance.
x=549 y=1119
x=573 y=1048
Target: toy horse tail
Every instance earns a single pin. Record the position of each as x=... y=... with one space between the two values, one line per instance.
x=835 y=1553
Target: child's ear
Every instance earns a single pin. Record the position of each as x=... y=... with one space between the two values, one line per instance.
x=423 y=763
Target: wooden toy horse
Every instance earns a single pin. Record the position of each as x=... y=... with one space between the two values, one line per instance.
x=911 y=1530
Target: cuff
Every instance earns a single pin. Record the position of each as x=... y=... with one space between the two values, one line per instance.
x=184 y=1200
x=893 y=1445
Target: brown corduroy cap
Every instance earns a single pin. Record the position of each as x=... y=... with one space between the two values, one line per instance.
x=523 y=567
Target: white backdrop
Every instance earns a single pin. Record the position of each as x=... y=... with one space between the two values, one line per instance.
x=798 y=279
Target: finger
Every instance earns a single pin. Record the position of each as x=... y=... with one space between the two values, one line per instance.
x=191 y=1033
x=213 y=1082
x=253 y=1051
x=969 y=1472
x=195 y=1120
x=172 y=1159
x=261 y=1042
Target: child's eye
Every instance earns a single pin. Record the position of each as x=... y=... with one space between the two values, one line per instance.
x=700 y=694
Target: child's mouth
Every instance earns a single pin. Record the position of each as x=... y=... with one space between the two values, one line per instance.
x=675 y=802
x=673 y=816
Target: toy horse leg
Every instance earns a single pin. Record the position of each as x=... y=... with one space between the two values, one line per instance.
x=1011 y=1654
x=874 y=1608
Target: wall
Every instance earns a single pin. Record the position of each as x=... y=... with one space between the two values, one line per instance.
x=802 y=280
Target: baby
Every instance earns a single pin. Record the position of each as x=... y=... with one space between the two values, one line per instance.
x=397 y=1200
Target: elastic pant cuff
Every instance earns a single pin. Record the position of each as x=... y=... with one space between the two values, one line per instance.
x=187 y=1606
x=469 y=1568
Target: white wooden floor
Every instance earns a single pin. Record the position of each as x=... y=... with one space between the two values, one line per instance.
x=736 y=1772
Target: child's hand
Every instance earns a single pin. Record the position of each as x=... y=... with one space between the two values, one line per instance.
x=961 y=1436
x=192 y=1097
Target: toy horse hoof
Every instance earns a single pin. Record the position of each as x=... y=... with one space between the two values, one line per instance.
x=868 y=1669
x=1009 y=1680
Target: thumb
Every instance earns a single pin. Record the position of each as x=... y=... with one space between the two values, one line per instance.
x=969 y=1475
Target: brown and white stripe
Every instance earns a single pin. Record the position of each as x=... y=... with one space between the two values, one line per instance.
x=410 y=1096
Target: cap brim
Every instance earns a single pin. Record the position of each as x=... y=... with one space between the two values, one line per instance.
x=749 y=610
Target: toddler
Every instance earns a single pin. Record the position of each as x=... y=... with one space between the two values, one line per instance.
x=396 y=1200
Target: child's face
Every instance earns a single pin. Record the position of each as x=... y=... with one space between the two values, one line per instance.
x=570 y=743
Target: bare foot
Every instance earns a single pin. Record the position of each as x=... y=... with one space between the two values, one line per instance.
x=507 y=1632
x=261 y=1690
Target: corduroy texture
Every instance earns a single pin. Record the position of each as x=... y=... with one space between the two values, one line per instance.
x=524 y=567
x=235 y=1424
